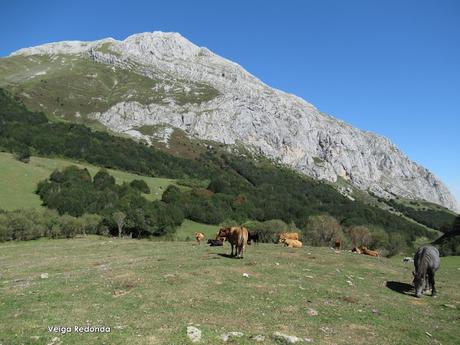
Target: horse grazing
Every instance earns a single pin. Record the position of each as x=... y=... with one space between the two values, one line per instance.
x=426 y=262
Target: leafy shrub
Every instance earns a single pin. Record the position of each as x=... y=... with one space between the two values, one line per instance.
x=322 y=230
x=141 y=186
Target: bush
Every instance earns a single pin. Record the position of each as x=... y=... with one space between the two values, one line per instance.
x=141 y=186
x=268 y=231
x=322 y=230
x=359 y=236
x=6 y=233
x=379 y=237
x=21 y=226
x=396 y=244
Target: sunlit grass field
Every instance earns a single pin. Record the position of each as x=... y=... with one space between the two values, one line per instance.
x=18 y=181
x=149 y=292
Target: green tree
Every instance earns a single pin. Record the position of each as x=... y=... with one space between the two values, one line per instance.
x=322 y=230
x=119 y=218
x=141 y=186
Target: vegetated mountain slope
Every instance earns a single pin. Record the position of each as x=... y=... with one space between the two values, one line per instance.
x=225 y=184
x=175 y=84
x=449 y=243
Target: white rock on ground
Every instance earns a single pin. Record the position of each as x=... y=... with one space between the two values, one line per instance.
x=258 y=338
x=226 y=336
x=290 y=339
x=194 y=334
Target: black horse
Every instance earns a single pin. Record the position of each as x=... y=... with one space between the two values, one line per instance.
x=426 y=262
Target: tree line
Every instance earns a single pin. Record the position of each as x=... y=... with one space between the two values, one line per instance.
x=239 y=188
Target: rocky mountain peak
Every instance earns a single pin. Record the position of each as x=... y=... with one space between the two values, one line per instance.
x=161 y=45
x=212 y=98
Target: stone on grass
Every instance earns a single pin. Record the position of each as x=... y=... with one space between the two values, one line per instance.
x=312 y=312
x=289 y=339
x=258 y=338
x=44 y=275
x=194 y=334
x=226 y=336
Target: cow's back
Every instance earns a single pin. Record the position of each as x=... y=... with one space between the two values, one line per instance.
x=289 y=236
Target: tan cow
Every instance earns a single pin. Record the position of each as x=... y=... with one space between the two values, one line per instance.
x=356 y=250
x=292 y=243
x=369 y=252
x=237 y=237
x=288 y=236
x=199 y=236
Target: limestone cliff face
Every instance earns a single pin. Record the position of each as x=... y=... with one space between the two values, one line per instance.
x=279 y=125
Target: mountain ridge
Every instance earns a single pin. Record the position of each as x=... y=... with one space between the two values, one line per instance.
x=244 y=110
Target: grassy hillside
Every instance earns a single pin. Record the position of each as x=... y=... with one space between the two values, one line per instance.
x=189 y=227
x=423 y=212
x=149 y=292
x=18 y=181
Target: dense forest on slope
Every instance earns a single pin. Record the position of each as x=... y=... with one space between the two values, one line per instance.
x=449 y=243
x=240 y=187
x=73 y=191
x=439 y=219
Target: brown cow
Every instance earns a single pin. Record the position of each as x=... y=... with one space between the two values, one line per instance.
x=356 y=250
x=238 y=238
x=292 y=243
x=338 y=244
x=288 y=235
x=369 y=252
x=199 y=236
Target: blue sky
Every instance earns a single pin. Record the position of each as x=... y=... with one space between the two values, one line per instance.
x=390 y=67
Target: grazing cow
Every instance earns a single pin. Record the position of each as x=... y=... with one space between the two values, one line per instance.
x=288 y=236
x=199 y=236
x=369 y=252
x=253 y=236
x=426 y=262
x=238 y=238
x=292 y=243
x=338 y=244
x=215 y=243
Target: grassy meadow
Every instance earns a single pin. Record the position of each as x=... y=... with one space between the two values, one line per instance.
x=188 y=228
x=18 y=181
x=149 y=292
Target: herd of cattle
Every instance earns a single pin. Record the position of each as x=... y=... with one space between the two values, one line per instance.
x=239 y=237
x=426 y=259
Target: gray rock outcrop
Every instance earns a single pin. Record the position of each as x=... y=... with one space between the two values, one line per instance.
x=278 y=125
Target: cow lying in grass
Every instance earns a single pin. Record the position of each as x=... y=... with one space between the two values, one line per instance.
x=237 y=237
x=288 y=236
x=292 y=243
x=215 y=243
x=364 y=250
x=369 y=252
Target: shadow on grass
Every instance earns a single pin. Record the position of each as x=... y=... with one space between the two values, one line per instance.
x=228 y=256
x=399 y=287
